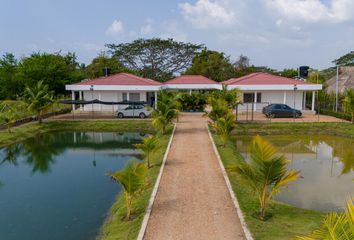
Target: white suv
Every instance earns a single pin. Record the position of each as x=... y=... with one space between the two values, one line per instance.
x=134 y=111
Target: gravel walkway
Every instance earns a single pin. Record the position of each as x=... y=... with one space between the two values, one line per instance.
x=193 y=201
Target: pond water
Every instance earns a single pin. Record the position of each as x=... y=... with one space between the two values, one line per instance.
x=326 y=164
x=54 y=186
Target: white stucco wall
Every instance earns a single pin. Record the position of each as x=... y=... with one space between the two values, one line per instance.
x=109 y=96
x=269 y=97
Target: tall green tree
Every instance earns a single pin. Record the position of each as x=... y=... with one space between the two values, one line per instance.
x=132 y=178
x=54 y=70
x=95 y=68
x=149 y=147
x=212 y=64
x=349 y=103
x=38 y=98
x=155 y=58
x=266 y=173
x=10 y=84
x=289 y=72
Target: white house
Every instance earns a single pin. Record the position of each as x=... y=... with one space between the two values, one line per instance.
x=115 y=88
x=262 y=89
x=257 y=89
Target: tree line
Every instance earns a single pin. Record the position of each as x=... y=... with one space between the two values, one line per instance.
x=158 y=59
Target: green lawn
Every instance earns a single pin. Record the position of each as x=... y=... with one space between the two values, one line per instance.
x=286 y=221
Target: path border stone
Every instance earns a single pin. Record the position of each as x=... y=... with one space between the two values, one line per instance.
x=240 y=215
x=154 y=192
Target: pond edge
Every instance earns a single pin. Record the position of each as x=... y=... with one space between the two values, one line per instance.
x=240 y=214
x=154 y=192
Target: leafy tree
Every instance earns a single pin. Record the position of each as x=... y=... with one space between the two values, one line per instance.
x=213 y=65
x=349 y=103
x=289 y=72
x=53 y=70
x=132 y=178
x=242 y=63
x=335 y=226
x=266 y=173
x=149 y=147
x=9 y=82
x=166 y=112
x=192 y=102
x=155 y=58
x=95 y=69
x=345 y=60
x=39 y=99
x=224 y=127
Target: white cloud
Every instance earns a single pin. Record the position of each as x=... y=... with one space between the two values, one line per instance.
x=208 y=14
x=313 y=10
x=115 y=29
x=146 y=29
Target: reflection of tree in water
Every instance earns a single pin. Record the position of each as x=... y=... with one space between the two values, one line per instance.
x=40 y=152
x=10 y=154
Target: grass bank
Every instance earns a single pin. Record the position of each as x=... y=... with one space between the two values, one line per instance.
x=115 y=226
x=336 y=129
x=286 y=221
x=25 y=131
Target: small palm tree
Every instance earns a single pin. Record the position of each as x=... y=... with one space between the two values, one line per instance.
x=9 y=118
x=266 y=173
x=335 y=226
x=349 y=103
x=39 y=99
x=132 y=178
x=224 y=126
x=149 y=148
x=166 y=112
x=219 y=108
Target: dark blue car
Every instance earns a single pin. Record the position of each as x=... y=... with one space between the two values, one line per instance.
x=280 y=110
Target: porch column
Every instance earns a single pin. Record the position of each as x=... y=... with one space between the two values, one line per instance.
x=99 y=98
x=155 y=103
x=284 y=99
x=313 y=101
x=255 y=101
x=80 y=98
x=73 y=98
x=128 y=96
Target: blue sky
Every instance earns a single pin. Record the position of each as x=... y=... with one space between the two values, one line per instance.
x=275 y=33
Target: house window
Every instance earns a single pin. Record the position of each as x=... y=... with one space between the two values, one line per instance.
x=249 y=97
x=125 y=96
x=134 y=97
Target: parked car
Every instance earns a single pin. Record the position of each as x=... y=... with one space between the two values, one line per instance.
x=134 y=111
x=281 y=110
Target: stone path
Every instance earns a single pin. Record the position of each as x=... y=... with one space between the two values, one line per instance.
x=193 y=201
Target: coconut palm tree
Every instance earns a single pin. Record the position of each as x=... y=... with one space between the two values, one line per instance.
x=149 y=147
x=219 y=108
x=335 y=226
x=266 y=173
x=132 y=178
x=9 y=117
x=349 y=103
x=166 y=112
x=224 y=126
x=39 y=99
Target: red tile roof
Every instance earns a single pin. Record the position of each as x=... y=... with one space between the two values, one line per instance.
x=263 y=79
x=191 y=79
x=120 y=79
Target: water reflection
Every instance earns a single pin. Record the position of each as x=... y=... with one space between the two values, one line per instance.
x=55 y=185
x=326 y=164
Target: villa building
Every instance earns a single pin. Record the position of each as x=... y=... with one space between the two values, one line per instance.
x=257 y=90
